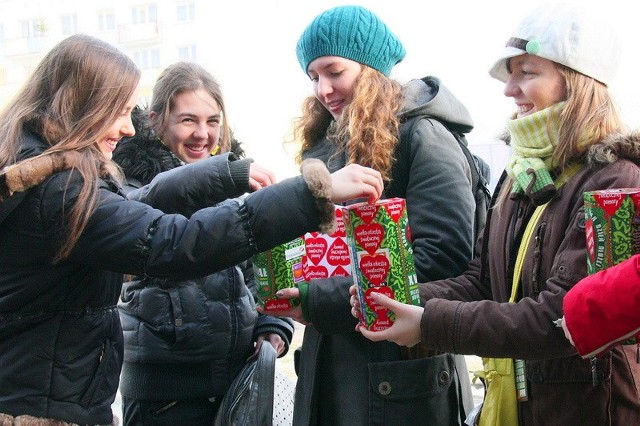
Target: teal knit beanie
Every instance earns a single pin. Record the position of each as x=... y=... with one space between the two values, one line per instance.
x=351 y=32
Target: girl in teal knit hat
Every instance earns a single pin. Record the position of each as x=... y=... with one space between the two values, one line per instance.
x=356 y=115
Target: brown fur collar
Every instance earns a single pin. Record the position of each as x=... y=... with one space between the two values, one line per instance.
x=616 y=147
x=25 y=420
x=33 y=171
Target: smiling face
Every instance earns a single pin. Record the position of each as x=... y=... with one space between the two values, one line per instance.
x=193 y=126
x=534 y=84
x=122 y=127
x=333 y=80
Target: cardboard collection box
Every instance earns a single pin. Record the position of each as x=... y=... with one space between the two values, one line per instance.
x=327 y=255
x=372 y=244
x=612 y=226
x=381 y=257
x=280 y=267
x=311 y=256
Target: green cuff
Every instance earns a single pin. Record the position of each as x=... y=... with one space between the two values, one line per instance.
x=303 y=287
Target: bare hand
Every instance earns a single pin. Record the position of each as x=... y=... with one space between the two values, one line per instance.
x=355 y=181
x=293 y=313
x=259 y=177
x=405 y=330
x=274 y=339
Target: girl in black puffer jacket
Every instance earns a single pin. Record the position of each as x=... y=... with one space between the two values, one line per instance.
x=186 y=340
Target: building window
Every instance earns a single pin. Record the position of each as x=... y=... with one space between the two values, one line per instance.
x=69 y=24
x=33 y=28
x=106 y=20
x=144 y=14
x=187 y=53
x=185 y=11
x=147 y=59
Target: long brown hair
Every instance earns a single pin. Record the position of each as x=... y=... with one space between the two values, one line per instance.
x=369 y=123
x=74 y=95
x=186 y=77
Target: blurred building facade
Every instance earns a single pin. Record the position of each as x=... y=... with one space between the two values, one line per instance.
x=213 y=33
x=153 y=33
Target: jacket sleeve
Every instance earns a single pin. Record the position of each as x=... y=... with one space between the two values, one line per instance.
x=440 y=203
x=328 y=305
x=191 y=187
x=603 y=309
x=131 y=237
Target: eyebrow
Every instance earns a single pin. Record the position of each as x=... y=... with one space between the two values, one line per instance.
x=190 y=114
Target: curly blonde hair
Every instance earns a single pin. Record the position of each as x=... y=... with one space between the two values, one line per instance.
x=368 y=128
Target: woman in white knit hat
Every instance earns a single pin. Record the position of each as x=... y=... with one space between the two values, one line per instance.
x=567 y=138
x=357 y=113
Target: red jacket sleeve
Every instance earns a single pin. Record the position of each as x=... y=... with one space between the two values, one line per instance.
x=603 y=309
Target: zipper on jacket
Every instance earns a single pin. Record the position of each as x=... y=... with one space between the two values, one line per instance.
x=537 y=257
x=165 y=407
x=516 y=236
x=233 y=308
x=594 y=371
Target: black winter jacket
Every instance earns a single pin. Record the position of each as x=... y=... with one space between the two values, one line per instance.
x=186 y=339
x=60 y=334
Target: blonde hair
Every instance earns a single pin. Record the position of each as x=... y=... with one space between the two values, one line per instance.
x=74 y=95
x=186 y=77
x=368 y=129
x=589 y=116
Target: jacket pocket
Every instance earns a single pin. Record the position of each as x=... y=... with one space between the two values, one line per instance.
x=104 y=382
x=421 y=391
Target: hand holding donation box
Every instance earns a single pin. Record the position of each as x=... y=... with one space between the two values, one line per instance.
x=372 y=244
x=381 y=257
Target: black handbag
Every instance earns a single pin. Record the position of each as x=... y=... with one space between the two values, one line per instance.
x=249 y=400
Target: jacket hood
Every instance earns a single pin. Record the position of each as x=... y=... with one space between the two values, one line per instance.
x=143 y=155
x=615 y=147
x=428 y=97
x=16 y=179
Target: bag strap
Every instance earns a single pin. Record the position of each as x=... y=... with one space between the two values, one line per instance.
x=263 y=384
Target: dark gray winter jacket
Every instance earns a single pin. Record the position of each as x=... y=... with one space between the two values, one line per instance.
x=345 y=379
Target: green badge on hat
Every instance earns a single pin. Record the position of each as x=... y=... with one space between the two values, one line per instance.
x=533 y=47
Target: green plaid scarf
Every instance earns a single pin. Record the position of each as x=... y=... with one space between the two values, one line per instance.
x=533 y=140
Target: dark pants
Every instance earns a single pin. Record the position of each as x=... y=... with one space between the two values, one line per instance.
x=192 y=412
